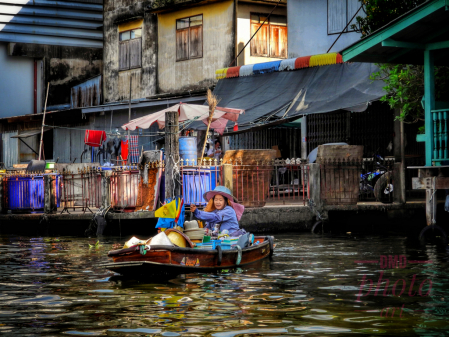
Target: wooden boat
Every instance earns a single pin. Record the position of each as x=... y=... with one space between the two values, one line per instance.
x=173 y=259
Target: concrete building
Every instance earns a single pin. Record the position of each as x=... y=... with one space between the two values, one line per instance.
x=43 y=42
x=198 y=37
x=314 y=25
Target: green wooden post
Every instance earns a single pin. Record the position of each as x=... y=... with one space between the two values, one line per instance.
x=435 y=136
x=440 y=135
x=429 y=104
x=445 y=134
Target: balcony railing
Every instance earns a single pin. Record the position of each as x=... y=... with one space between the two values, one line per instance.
x=440 y=136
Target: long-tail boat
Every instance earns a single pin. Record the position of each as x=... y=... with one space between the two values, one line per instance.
x=178 y=260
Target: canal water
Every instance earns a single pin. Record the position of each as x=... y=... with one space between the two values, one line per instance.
x=313 y=285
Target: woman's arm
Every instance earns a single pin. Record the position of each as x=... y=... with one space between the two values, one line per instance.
x=210 y=217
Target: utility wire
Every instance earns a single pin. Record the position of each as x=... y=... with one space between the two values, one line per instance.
x=345 y=28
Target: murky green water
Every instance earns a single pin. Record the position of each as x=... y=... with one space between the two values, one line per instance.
x=53 y=286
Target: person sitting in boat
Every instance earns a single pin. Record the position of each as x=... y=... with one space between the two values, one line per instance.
x=221 y=209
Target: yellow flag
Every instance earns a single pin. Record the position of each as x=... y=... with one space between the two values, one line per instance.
x=166 y=211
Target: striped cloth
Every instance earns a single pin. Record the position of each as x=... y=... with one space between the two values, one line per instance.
x=133 y=149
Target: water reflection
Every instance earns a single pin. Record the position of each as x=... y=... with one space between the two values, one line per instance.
x=312 y=286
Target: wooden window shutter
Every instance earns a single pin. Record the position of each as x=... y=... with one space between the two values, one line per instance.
x=274 y=41
x=353 y=7
x=283 y=42
x=196 y=42
x=124 y=55
x=182 y=44
x=259 y=44
x=336 y=16
x=135 y=53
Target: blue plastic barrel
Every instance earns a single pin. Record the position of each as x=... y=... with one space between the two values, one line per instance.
x=195 y=183
x=187 y=150
x=28 y=194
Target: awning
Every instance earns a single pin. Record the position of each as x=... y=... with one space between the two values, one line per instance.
x=30 y=133
x=268 y=98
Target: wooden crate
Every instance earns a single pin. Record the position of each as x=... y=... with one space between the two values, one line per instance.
x=339 y=152
x=340 y=183
x=340 y=173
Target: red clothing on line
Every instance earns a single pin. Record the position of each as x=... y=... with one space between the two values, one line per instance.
x=94 y=138
x=124 y=151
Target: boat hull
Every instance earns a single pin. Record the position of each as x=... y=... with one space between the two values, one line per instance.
x=169 y=259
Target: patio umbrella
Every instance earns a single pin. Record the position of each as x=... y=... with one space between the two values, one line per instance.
x=187 y=112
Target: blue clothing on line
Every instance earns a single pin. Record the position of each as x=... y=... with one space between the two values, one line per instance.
x=226 y=217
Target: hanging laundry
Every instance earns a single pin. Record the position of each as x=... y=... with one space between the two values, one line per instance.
x=124 y=151
x=134 y=149
x=94 y=138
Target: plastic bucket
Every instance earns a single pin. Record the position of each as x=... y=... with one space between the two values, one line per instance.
x=187 y=150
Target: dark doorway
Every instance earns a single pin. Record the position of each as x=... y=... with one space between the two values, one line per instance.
x=48 y=144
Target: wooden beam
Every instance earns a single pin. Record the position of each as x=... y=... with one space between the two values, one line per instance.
x=437 y=45
x=172 y=178
x=425 y=183
x=402 y=44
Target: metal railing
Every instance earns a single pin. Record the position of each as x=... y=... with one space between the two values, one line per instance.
x=124 y=188
x=198 y=179
x=81 y=189
x=440 y=135
x=276 y=182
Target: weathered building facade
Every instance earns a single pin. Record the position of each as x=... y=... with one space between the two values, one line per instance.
x=130 y=50
x=197 y=37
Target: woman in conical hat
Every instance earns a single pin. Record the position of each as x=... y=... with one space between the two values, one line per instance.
x=222 y=209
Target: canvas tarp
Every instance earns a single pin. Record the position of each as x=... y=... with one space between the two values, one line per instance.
x=273 y=96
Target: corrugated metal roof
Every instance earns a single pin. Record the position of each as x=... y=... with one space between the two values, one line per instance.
x=62 y=23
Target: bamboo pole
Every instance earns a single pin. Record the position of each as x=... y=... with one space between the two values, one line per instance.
x=213 y=102
x=43 y=123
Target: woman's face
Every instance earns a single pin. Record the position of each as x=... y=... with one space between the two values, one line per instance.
x=219 y=202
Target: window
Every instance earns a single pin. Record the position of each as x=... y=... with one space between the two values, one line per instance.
x=189 y=38
x=271 y=39
x=130 y=45
x=339 y=12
